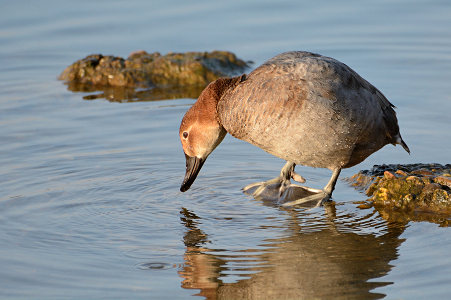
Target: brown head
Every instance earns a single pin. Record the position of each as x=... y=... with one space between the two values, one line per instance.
x=201 y=131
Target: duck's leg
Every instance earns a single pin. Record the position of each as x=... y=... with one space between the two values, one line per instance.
x=320 y=196
x=278 y=184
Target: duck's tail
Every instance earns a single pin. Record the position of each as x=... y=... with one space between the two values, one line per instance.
x=401 y=142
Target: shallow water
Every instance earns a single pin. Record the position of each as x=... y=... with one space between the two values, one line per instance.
x=89 y=190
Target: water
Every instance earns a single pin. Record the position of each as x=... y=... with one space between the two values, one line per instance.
x=89 y=190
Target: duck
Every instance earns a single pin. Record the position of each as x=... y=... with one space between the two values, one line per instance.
x=305 y=108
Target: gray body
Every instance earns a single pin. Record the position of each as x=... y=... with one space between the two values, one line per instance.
x=310 y=110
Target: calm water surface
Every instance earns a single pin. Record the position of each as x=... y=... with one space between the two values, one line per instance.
x=90 y=206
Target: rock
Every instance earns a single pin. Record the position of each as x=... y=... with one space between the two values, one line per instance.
x=141 y=70
x=389 y=175
x=443 y=180
x=401 y=172
x=414 y=191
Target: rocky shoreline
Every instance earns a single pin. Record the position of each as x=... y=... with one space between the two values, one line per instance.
x=419 y=192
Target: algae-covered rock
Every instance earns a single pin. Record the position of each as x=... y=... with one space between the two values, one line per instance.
x=407 y=190
x=119 y=77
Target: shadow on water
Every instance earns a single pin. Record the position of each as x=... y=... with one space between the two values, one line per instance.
x=317 y=258
x=128 y=94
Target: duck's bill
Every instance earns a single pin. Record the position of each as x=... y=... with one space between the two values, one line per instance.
x=193 y=166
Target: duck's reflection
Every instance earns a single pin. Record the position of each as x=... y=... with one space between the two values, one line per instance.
x=331 y=262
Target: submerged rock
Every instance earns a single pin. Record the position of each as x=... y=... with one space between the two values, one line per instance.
x=119 y=77
x=410 y=192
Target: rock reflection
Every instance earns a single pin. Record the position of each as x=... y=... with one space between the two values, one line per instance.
x=128 y=94
x=394 y=215
x=337 y=259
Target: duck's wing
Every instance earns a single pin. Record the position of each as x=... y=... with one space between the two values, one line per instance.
x=283 y=100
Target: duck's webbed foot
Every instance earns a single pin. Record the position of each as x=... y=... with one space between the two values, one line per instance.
x=319 y=196
x=284 y=192
x=274 y=188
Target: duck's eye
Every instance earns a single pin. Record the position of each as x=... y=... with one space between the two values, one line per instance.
x=185 y=134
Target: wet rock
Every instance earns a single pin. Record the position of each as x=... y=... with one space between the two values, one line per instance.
x=119 y=77
x=443 y=180
x=410 y=190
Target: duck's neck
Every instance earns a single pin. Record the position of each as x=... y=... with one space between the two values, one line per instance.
x=211 y=95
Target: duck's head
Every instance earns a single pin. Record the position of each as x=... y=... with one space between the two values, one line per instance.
x=201 y=131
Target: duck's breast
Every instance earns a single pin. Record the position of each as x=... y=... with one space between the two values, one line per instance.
x=305 y=108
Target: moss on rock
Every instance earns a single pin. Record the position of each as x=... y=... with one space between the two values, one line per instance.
x=411 y=189
x=152 y=70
